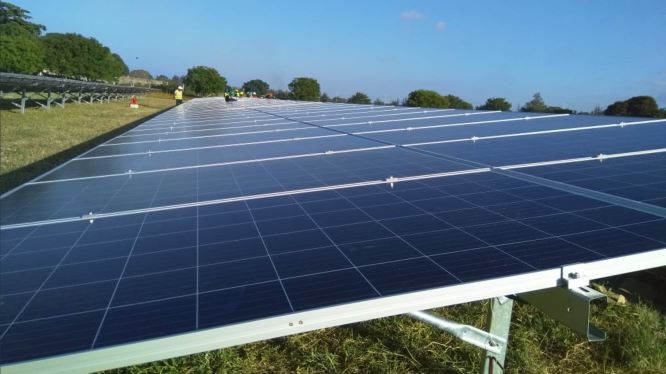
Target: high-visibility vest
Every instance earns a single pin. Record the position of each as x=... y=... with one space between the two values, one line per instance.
x=178 y=94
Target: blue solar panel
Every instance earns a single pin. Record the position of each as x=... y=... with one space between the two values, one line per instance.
x=640 y=177
x=555 y=146
x=161 y=251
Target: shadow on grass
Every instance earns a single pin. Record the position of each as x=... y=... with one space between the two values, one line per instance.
x=21 y=175
x=645 y=286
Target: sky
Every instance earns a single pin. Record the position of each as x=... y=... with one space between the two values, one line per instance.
x=577 y=53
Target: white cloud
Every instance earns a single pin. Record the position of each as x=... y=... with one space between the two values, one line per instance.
x=411 y=15
x=440 y=26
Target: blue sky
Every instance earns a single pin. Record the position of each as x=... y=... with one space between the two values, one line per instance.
x=577 y=54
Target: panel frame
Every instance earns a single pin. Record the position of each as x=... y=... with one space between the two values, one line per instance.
x=299 y=322
x=296 y=323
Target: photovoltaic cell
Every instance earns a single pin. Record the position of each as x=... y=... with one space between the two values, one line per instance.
x=641 y=177
x=151 y=268
x=555 y=146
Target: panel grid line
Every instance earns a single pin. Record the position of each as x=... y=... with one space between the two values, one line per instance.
x=361 y=219
x=122 y=273
x=627 y=203
x=263 y=243
x=48 y=277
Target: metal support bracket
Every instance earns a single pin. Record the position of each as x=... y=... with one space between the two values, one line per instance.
x=573 y=276
x=469 y=334
x=21 y=105
x=63 y=99
x=498 y=323
x=571 y=307
x=48 y=99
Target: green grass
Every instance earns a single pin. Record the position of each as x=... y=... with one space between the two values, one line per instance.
x=35 y=142
x=38 y=140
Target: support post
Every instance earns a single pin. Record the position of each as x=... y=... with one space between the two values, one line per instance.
x=49 y=100
x=22 y=102
x=498 y=323
x=63 y=99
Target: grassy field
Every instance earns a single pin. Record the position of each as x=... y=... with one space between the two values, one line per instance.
x=38 y=140
x=35 y=142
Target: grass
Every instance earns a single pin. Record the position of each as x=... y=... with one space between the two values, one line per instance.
x=35 y=142
x=38 y=140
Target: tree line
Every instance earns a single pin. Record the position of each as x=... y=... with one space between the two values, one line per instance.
x=24 y=49
x=308 y=89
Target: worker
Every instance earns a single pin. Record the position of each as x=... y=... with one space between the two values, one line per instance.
x=178 y=95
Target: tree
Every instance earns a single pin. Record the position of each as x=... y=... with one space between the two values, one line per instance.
x=173 y=83
x=324 y=98
x=256 y=85
x=162 y=77
x=426 y=99
x=305 y=89
x=76 y=56
x=378 y=102
x=557 y=109
x=618 y=108
x=359 y=98
x=637 y=106
x=14 y=21
x=117 y=66
x=282 y=95
x=597 y=111
x=535 y=105
x=496 y=103
x=140 y=73
x=339 y=99
x=21 y=51
x=21 y=54
x=203 y=81
x=642 y=106
x=457 y=103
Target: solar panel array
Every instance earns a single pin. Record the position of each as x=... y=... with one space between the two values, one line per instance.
x=11 y=82
x=215 y=214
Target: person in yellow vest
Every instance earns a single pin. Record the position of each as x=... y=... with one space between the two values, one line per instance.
x=178 y=95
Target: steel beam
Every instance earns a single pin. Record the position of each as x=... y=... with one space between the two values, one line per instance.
x=498 y=323
x=469 y=334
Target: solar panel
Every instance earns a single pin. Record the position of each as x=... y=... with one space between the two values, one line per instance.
x=10 y=82
x=217 y=224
